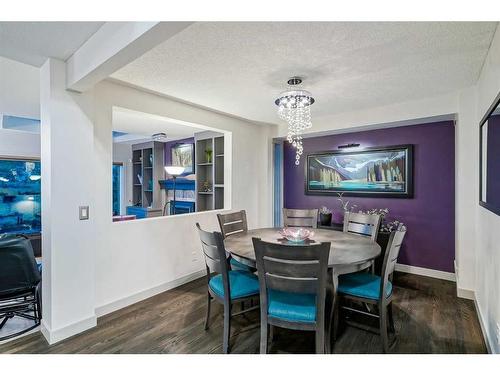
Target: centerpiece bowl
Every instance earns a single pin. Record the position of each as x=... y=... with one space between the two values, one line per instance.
x=296 y=235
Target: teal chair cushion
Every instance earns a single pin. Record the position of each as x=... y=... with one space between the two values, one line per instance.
x=241 y=284
x=238 y=266
x=363 y=285
x=291 y=306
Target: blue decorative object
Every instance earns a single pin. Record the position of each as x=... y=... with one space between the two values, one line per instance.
x=179 y=207
x=181 y=184
x=363 y=285
x=291 y=306
x=241 y=284
x=139 y=212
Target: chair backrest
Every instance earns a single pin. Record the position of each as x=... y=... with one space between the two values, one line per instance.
x=391 y=256
x=300 y=218
x=18 y=268
x=292 y=268
x=362 y=224
x=233 y=223
x=216 y=257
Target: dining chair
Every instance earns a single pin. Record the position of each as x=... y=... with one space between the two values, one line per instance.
x=292 y=280
x=362 y=224
x=231 y=224
x=300 y=217
x=225 y=286
x=367 y=288
x=20 y=282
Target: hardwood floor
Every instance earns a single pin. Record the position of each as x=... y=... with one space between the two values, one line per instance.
x=429 y=318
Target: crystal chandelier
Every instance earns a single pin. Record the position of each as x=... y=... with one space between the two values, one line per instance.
x=294 y=106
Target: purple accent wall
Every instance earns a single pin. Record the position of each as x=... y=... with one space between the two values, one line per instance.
x=169 y=145
x=429 y=215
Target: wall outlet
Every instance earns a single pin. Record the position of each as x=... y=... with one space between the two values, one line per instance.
x=83 y=212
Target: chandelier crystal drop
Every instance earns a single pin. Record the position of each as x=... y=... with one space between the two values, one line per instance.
x=294 y=107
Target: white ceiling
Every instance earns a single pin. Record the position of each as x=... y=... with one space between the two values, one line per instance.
x=240 y=67
x=141 y=125
x=32 y=42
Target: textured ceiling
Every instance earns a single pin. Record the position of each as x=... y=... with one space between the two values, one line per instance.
x=144 y=124
x=240 y=67
x=32 y=42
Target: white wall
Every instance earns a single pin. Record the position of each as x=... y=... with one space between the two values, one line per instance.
x=133 y=257
x=67 y=182
x=97 y=266
x=19 y=96
x=487 y=288
x=19 y=89
x=19 y=144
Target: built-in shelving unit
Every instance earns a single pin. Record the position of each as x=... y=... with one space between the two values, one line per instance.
x=210 y=171
x=148 y=163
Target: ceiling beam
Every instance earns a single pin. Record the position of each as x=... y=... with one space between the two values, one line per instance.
x=112 y=47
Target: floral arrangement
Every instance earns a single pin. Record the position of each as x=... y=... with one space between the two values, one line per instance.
x=345 y=204
x=325 y=211
x=385 y=227
x=392 y=226
x=383 y=212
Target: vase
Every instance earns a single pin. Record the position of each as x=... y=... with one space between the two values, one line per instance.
x=325 y=219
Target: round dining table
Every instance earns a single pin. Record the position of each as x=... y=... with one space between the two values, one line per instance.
x=348 y=253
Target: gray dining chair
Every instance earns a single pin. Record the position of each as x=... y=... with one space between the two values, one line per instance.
x=362 y=224
x=300 y=217
x=231 y=224
x=226 y=286
x=366 y=288
x=292 y=280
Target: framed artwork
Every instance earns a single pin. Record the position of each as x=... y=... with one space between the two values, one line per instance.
x=183 y=156
x=368 y=172
x=489 y=161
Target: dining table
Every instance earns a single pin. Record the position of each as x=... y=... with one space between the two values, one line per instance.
x=348 y=253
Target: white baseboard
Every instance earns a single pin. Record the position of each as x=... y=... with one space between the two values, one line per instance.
x=466 y=293
x=450 y=276
x=53 y=336
x=487 y=339
x=137 y=297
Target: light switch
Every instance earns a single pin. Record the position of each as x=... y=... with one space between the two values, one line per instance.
x=84 y=212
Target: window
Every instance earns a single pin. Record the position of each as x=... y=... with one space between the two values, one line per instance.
x=20 y=182
x=117 y=183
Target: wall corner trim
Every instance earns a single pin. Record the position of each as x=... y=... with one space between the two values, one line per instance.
x=450 y=276
x=142 y=295
x=54 y=336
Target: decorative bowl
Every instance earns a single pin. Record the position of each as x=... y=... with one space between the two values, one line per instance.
x=296 y=234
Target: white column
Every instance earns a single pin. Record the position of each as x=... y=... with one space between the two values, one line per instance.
x=466 y=192
x=68 y=283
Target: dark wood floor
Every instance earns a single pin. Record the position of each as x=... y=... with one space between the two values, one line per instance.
x=429 y=318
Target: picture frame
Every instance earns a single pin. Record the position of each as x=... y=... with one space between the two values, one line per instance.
x=488 y=160
x=183 y=156
x=385 y=172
